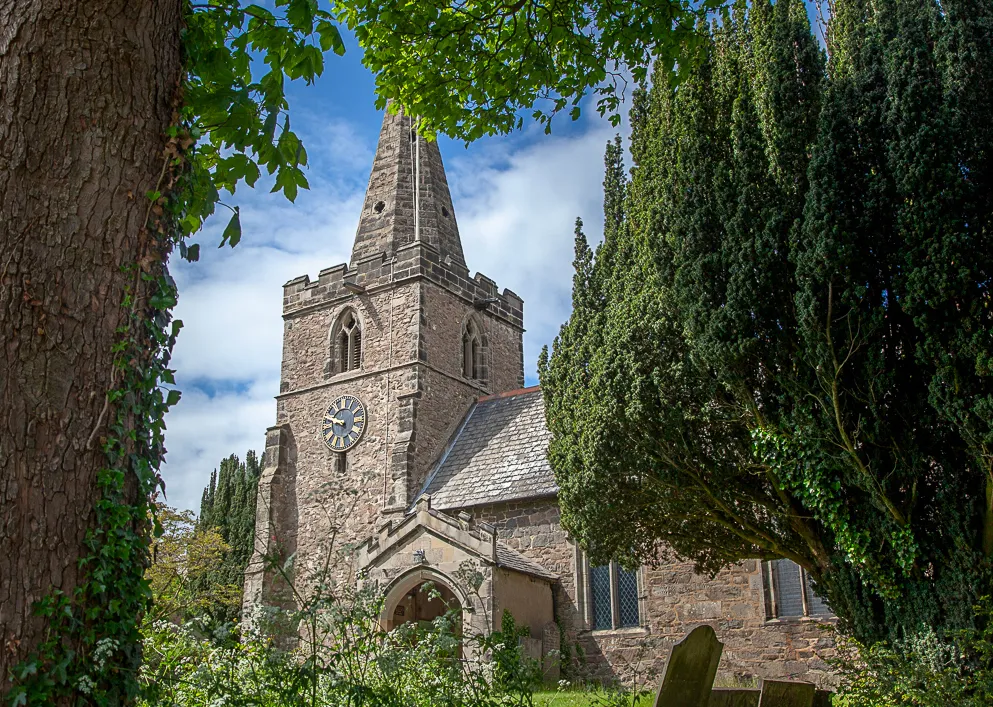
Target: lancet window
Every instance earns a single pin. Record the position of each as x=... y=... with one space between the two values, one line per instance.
x=472 y=351
x=348 y=342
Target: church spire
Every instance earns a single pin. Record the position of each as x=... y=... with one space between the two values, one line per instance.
x=388 y=214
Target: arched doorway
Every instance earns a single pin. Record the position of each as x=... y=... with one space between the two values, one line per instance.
x=421 y=603
x=422 y=594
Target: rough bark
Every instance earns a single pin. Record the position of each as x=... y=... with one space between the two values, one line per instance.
x=85 y=97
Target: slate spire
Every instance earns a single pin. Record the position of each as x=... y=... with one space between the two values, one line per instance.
x=387 y=220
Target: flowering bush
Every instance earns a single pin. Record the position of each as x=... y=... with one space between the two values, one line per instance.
x=342 y=659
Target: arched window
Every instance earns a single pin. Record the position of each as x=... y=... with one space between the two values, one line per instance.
x=472 y=351
x=348 y=342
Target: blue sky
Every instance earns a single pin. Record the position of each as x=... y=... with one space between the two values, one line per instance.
x=516 y=198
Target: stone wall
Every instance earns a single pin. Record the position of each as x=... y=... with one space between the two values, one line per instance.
x=411 y=307
x=673 y=600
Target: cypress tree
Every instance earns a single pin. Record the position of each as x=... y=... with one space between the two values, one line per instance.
x=228 y=507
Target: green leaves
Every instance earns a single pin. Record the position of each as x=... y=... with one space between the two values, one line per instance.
x=238 y=60
x=232 y=233
x=468 y=69
x=778 y=350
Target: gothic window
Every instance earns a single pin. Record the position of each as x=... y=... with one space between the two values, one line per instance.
x=472 y=351
x=348 y=342
x=790 y=593
x=611 y=593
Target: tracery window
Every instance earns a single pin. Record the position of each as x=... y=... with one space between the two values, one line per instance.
x=472 y=351
x=348 y=342
x=611 y=596
x=790 y=592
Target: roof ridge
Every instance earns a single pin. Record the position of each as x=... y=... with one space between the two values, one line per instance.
x=509 y=393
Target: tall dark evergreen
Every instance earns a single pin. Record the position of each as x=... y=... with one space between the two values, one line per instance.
x=790 y=356
x=228 y=505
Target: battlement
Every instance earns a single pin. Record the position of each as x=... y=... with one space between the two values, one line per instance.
x=419 y=260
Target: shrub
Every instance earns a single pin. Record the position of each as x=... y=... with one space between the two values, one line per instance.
x=926 y=669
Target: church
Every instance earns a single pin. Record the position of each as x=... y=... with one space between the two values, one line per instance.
x=404 y=433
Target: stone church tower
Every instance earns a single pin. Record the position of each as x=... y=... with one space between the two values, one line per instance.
x=403 y=328
x=402 y=430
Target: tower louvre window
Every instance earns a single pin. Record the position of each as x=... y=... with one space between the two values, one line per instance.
x=472 y=351
x=349 y=342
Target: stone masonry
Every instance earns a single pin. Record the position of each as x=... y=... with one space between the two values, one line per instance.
x=451 y=470
x=412 y=299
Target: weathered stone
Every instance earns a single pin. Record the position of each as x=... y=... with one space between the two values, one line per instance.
x=413 y=299
x=689 y=675
x=776 y=693
x=734 y=697
x=823 y=698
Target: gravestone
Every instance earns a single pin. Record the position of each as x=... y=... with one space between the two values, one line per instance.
x=734 y=697
x=689 y=675
x=822 y=698
x=776 y=693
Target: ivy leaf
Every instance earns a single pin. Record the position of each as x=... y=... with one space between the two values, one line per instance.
x=232 y=234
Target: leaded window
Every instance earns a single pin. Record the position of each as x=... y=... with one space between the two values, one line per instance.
x=600 y=597
x=790 y=592
x=612 y=596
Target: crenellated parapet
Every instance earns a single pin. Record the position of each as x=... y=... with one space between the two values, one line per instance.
x=419 y=260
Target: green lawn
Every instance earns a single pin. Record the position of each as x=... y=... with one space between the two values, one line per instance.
x=581 y=698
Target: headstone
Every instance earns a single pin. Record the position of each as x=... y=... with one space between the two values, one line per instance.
x=776 y=693
x=551 y=643
x=822 y=698
x=689 y=675
x=734 y=697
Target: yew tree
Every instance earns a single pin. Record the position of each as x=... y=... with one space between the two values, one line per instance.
x=782 y=348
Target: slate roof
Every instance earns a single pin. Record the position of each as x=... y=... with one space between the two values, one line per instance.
x=499 y=454
x=511 y=559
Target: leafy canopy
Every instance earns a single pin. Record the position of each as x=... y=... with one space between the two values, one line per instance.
x=467 y=67
x=781 y=348
x=234 y=110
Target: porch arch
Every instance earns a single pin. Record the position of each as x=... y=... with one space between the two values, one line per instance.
x=410 y=581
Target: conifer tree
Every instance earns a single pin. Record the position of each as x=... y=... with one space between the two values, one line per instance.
x=228 y=508
x=790 y=355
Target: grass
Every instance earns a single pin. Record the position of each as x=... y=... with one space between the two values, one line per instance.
x=583 y=698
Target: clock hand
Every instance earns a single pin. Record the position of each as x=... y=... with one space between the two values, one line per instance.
x=338 y=421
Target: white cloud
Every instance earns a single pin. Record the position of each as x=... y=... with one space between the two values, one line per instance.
x=516 y=199
x=204 y=429
x=517 y=215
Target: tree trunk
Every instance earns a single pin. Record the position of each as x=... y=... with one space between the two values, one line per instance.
x=86 y=89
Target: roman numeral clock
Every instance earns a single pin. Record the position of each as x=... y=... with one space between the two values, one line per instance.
x=343 y=423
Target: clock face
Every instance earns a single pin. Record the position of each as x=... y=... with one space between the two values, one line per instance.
x=343 y=423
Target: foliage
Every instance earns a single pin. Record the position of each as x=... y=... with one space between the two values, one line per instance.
x=925 y=669
x=469 y=68
x=228 y=124
x=513 y=672
x=342 y=657
x=780 y=348
x=590 y=698
x=182 y=575
x=227 y=508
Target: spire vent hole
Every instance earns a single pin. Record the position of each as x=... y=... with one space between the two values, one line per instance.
x=378 y=208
